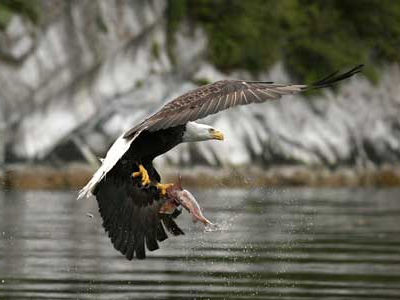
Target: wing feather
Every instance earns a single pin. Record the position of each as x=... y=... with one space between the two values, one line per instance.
x=203 y=111
x=268 y=94
x=235 y=98
x=193 y=114
x=169 y=121
x=220 y=105
x=211 y=109
x=253 y=97
x=244 y=98
x=212 y=98
x=227 y=103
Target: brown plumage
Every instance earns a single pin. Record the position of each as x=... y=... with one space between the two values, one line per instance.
x=212 y=98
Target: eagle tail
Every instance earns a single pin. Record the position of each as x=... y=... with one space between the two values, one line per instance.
x=131 y=216
x=171 y=226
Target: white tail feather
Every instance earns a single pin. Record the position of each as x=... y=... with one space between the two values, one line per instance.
x=116 y=151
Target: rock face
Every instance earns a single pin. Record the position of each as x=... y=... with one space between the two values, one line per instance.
x=92 y=69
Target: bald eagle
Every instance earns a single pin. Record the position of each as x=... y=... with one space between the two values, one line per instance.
x=127 y=186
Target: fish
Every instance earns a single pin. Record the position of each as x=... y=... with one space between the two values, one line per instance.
x=176 y=196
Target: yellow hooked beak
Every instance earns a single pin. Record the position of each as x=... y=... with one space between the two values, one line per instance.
x=218 y=135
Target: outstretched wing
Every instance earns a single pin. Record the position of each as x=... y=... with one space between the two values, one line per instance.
x=131 y=214
x=212 y=98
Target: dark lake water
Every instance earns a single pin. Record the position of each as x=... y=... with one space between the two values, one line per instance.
x=298 y=243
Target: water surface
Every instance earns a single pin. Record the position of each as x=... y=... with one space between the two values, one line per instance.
x=289 y=244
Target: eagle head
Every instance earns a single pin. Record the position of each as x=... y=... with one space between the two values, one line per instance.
x=195 y=132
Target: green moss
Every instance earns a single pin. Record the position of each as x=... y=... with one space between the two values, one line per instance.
x=28 y=9
x=176 y=12
x=155 y=50
x=5 y=16
x=139 y=84
x=101 y=24
x=201 y=81
x=311 y=37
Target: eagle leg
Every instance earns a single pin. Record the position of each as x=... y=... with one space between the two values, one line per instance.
x=163 y=187
x=145 y=176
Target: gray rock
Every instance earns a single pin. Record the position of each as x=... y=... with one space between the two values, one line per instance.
x=95 y=68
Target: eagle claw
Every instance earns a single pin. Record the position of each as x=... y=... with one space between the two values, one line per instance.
x=163 y=188
x=145 y=176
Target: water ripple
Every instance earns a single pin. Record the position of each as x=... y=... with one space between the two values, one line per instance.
x=287 y=244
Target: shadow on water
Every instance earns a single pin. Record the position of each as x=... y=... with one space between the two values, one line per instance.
x=290 y=244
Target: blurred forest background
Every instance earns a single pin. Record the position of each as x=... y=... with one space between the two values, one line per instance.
x=75 y=74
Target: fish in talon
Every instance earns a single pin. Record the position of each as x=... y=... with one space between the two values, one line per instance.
x=189 y=202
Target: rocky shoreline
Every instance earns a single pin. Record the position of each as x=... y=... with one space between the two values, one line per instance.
x=75 y=176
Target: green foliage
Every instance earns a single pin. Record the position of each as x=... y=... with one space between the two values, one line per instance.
x=155 y=50
x=176 y=12
x=101 y=24
x=201 y=81
x=139 y=84
x=310 y=37
x=26 y=8
x=5 y=16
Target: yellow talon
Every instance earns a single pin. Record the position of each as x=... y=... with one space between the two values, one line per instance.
x=142 y=172
x=163 y=187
